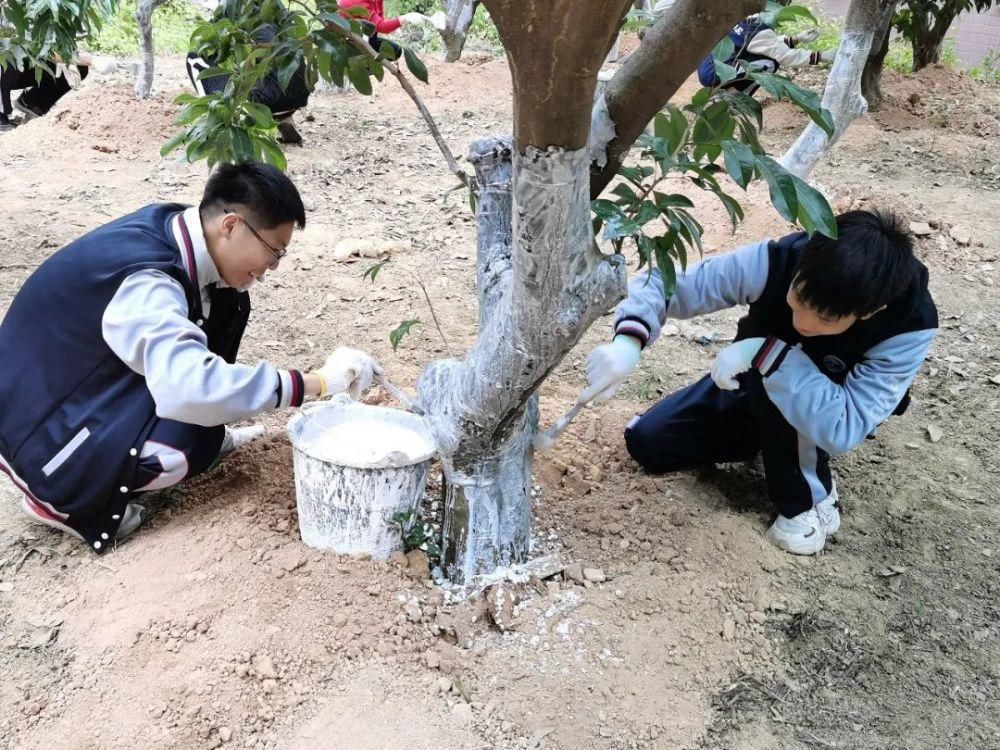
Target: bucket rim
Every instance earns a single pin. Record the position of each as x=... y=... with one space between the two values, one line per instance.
x=414 y=419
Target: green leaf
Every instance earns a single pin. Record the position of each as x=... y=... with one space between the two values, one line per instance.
x=741 y=162
x=372 y=270
x=636 y=175
x=665 y=262
x=672 y=127
x=273 y=154
x=700 y=99
x=788 y=14
x=402 y=330
x=808 y=101
x=725 y=72
x=358 y=75
x=624 y=192
x=260 y=115
x=673 y=200
x=174 y=142
x=242 y=144
x=733 y=208
x=784 y=196
x=724 y=50
x=415 y=65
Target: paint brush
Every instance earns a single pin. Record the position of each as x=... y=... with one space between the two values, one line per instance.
x=545 y=440
x=399 y=394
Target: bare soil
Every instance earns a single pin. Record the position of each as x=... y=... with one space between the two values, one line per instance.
x=216 y=626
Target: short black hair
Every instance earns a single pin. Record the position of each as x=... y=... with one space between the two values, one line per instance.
x=869 y=265
x=264 y=190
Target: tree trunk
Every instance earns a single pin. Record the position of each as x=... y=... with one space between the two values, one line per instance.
x=542 y=280
x=927 y=40
x=672 y=47
x=842 y=96
x=144 y=17
x=460 y=14
x=871 y=76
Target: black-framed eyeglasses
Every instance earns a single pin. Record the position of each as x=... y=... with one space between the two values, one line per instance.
x=277 y=253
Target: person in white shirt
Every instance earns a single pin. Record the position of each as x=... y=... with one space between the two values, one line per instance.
x=118 y=367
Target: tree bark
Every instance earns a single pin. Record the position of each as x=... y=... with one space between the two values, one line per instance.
x=144 y=17
x=459 y=15
x=671 y=49
x=842 y=96
x=927 y=40
x=871 y=76
x=555 y=50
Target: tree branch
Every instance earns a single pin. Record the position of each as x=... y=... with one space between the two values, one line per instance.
x=672 y=47
x=362 y=45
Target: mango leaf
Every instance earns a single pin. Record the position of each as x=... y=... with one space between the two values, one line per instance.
x=784 y=196
x=242 y=145
x=402 y=330
x=741 y=162
x=665 y=262
x=173 y=143
x=672 y=127
x=724 y=50
x=415 y=65
x=775 y=16
x=807 y=101
x=372 y=270
x=358 y=75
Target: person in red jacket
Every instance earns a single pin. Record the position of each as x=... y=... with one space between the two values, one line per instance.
x=383 y=25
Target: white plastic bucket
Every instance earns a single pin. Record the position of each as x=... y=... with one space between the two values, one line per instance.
x=357 y=466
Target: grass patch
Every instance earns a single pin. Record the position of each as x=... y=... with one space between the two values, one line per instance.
x=172 y=27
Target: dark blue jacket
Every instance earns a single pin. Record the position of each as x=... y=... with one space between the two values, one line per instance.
x=74 y=416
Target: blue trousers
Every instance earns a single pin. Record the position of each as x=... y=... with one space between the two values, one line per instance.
x=702 y=424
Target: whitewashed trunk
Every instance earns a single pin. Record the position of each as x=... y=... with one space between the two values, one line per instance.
x=144 y=17
x=459 y=15
x=542 y=283
x=842 y=96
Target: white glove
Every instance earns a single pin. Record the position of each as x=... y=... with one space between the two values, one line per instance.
x=103 y=65
x=807 y=36
x=439 y=21
x=734 y=360
x=414 y=19
x=349 y=370
x=828 y=55
x=608 y=366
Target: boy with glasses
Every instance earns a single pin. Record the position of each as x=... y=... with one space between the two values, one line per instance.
x=118 y=365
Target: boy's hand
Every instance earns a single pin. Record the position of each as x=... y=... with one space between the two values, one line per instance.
x=608 y=366
x=349 y=370
x=734 y=360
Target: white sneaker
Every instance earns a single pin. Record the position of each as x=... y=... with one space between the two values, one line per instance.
x=805 y=534
x=237 y=437
x=829 y=512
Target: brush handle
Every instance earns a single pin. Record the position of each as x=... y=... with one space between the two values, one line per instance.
x=399 y=394
x=563 y=422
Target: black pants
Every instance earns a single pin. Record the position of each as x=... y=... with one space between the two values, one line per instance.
x=183 y=451
x=702 y=424
x=376 y=42
x=38 y=96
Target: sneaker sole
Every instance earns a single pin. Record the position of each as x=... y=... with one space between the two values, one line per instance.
x=812 y=545
x=40 y=515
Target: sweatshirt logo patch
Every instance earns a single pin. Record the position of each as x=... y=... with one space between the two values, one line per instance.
x=834 y=365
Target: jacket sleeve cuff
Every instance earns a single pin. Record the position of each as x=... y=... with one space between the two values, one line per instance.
x=291 y=389
x=770 y=355
x=633 y=327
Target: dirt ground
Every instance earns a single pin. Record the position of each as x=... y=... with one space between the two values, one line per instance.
x=216 y=626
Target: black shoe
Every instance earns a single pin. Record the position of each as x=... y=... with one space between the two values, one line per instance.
x=6 y=124
x=27 y=110
x=288 y=133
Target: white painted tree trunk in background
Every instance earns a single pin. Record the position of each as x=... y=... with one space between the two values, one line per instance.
x=842 y=96
x=459 y=15
x=542 y=282
x=144 y=17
